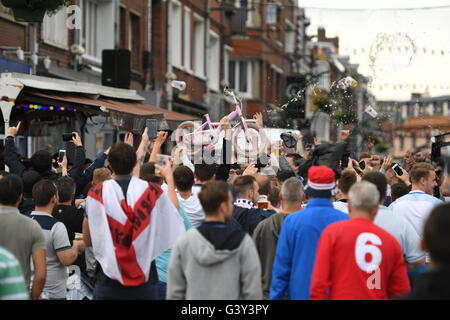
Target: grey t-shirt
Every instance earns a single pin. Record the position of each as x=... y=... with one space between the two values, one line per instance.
x=57 y=240
x=21 y=236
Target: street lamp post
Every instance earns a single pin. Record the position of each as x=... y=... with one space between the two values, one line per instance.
x=360 y=118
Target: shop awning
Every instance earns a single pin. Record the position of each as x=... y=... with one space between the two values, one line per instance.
x=122 y=106
x=125 y=108
x=44 y=83
x=144 y=110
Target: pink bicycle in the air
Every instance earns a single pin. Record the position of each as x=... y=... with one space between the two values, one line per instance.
x=247 y=136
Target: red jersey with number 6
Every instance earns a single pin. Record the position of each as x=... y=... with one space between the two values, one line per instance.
x=357 y=260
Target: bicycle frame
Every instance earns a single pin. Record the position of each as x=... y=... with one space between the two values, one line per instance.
x=211 y=137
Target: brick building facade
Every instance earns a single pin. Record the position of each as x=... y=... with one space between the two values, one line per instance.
x=251 y=46
x=54 y=40
x=267 y=49
x=414 y=122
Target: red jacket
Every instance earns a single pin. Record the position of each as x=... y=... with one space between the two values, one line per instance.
x=357 y=260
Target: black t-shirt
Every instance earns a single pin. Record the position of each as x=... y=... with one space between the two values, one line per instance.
x=72 y=219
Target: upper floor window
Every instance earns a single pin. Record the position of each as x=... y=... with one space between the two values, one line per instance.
x=175 y=34
x=90 y=25
x=187 y=39
x=214 y=61
x=135 y=41
x=54 y=29
x=271 y=13
x=97 y=31
x=239 y=76
x=247 y=5
x=199 y=46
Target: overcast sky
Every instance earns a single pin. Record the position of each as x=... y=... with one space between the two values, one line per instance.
x=383 y=43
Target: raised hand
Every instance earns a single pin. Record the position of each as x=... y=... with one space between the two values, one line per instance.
x=250 y=170
x=368 y=168
x=166 y=169
x=129 y=139
x=64 y=162
x=375 y=162
x=297 y=136
x=145 y=134
x=409 y=160
x=161 y=137
x=259 y=119
x=356 y=167
x=350 y=164
x=387 y=164
x=76 y=139
x=178 y=152
x=404 y=177
x=12 y=131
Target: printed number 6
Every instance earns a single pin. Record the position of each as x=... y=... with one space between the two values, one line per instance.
x=362 y=248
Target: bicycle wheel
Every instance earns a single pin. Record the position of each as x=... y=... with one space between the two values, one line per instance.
x=182 y=135
x=249 y=149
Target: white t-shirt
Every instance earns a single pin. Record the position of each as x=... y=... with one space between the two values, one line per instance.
x=415 y=207
x=402 y=231
x=193 y=209
x=341 y=206
x=196 y=188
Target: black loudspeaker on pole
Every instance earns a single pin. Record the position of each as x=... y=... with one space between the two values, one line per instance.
x=116 y=68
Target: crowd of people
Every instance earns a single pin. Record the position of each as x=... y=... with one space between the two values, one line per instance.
x=305 y=225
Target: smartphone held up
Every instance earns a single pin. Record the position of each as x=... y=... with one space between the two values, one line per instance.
x=61 y=155
x=398 y=171
x=362 y=164
x=152 y=128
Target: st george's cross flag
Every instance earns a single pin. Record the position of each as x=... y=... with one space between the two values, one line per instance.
x=128 y=233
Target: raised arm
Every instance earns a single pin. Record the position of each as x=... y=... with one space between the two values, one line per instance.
x=223 y=171
x=80 y=156
x=160 y=139
x=167 y=171
x=11 y=156
x=87 y=175
x=141 y=152
x=64 y=167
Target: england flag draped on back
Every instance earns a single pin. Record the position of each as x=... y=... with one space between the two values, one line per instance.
x=128 y=234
